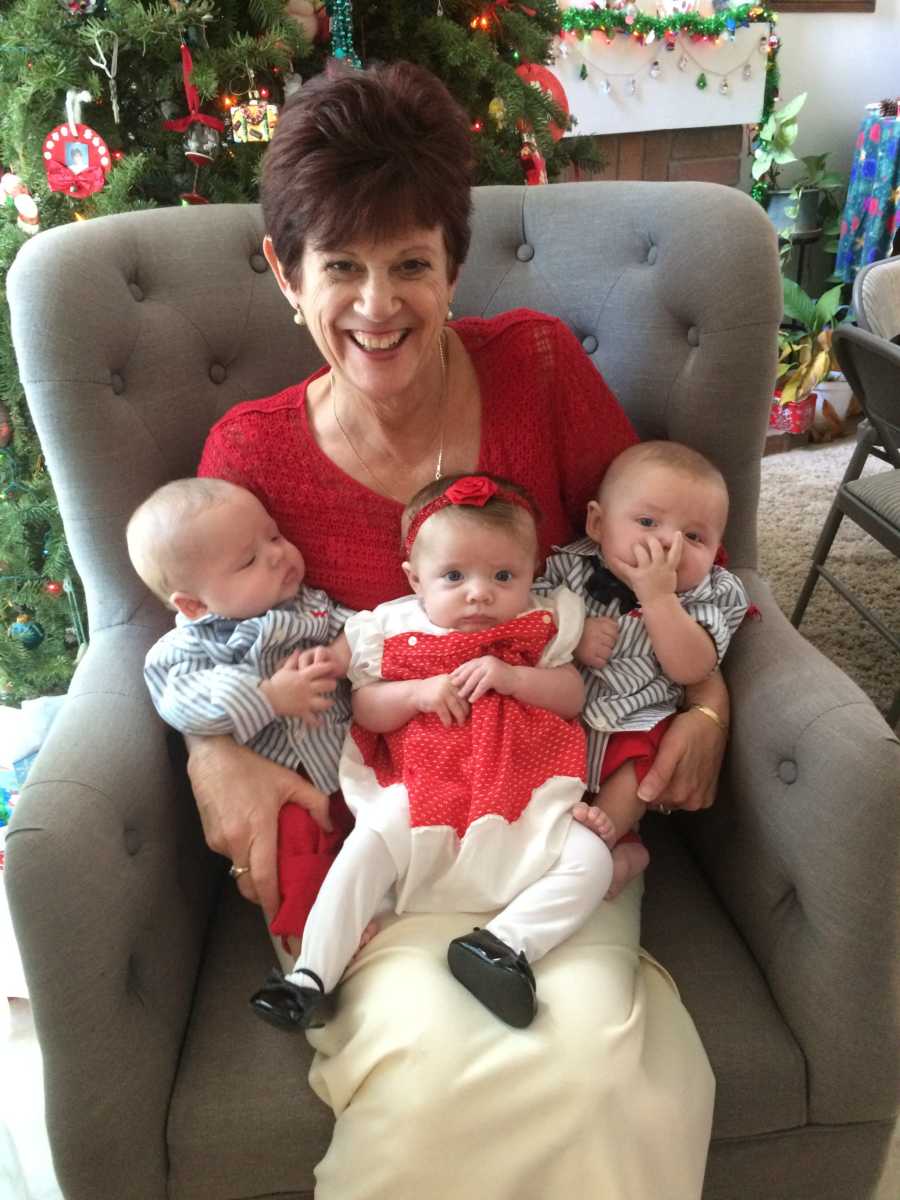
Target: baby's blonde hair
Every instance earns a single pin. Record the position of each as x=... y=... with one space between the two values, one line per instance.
x=158 y=535
x=674 y=455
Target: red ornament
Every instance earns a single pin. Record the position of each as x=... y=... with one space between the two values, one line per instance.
x=541 y=77
x=76 y=160
x=53 y=588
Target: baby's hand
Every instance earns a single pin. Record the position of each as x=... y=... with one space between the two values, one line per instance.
x=654 y=572
x=597 y=642
x=300 y=691
x=480 y=675
x=438 y=695
x=323 y=655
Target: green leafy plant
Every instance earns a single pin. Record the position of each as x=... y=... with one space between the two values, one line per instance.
x=805 y=355
x=773 y=142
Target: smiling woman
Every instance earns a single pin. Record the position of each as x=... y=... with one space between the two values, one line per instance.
x=366 y=201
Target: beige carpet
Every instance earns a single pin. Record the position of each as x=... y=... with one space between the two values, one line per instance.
x=797 y=489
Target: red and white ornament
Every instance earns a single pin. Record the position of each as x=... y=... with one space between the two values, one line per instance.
x=76 y=158
x=311 y=16
x=541 y=77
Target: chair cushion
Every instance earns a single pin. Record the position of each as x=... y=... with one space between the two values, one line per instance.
x=242 y=1120
x=247 y=1125
x=881 y=492
x=760 y=1070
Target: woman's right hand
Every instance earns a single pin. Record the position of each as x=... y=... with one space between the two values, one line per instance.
x=239 y=795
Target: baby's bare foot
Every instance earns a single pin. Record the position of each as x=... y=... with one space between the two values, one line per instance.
x=596 y=820
x=629 y=859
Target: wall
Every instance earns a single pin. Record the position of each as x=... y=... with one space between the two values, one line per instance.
x=844 y=61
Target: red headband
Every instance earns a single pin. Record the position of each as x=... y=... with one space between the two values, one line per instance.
x=473 y=491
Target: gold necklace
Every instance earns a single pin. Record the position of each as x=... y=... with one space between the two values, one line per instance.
x=439 y=462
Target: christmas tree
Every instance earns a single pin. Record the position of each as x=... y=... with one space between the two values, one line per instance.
x=108 y=107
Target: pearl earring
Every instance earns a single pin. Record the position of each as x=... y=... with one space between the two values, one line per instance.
x=449 y=314
x=299 y=318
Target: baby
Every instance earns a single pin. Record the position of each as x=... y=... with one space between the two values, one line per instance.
x=464 y=763
x=254 y=654
x=663 y=615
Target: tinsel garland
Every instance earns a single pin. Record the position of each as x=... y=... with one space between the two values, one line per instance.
x=582 y=21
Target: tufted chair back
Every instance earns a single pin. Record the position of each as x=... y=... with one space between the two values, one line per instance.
x=173 y=316
x=773 y=912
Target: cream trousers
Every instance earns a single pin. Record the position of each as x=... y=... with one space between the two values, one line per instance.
x=608 y=1095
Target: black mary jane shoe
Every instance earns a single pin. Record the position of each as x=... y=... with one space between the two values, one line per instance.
x=495 y=975
x=290 y=1006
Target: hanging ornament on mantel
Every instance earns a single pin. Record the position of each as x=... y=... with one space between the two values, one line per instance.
x=76 y=158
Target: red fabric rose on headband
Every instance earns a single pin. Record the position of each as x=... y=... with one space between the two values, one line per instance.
x=472 y=489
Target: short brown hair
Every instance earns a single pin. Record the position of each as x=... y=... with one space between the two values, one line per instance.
x=674 y=455
x=368 y=154
x=500 y=513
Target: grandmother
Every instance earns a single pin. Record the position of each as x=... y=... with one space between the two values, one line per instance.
x=366 y=201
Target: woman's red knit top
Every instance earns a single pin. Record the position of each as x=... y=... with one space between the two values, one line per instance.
x=549 y=423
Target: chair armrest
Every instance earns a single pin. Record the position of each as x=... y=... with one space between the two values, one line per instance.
x=110 y=888
x=802 y=848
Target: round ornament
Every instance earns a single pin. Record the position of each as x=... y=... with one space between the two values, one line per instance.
x=5 y=427
x=76 y=160
x=53 y=588
x=26 y=630
x=540 y=77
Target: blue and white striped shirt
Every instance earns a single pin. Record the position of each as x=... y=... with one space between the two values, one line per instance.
x=204 y=678
x=631 y=692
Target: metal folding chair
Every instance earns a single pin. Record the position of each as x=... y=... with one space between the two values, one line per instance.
x=872 y=367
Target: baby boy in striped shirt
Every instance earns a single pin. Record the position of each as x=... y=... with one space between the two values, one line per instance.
x=660 y=616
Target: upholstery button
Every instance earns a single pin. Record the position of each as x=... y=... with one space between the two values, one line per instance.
x=259 y=264
x=693 y=336
x=412 y=639
x=589 y=342
x=117 y=382
x=651 y=255
x=217 y=373
x=132 y=841
x=787 y=771
x=525 y=253
x=135 y=291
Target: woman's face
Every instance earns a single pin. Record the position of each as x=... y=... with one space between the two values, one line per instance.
x=375 y=309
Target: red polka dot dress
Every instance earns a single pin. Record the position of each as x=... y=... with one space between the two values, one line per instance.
x=473 y=813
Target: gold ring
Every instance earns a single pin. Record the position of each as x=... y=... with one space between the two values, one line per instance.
x=237 y=872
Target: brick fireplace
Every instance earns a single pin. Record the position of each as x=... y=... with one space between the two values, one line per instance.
x=711 y=154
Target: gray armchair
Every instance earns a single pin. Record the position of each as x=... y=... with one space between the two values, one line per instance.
x=775 y=911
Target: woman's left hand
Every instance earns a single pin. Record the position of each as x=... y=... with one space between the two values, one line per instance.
x=686 y=770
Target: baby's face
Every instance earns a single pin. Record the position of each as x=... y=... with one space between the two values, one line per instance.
x=242 y=566
x=652 y=500
x=471 y=576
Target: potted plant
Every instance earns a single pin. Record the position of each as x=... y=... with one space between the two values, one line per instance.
x=805 y=356
x=772 y=152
